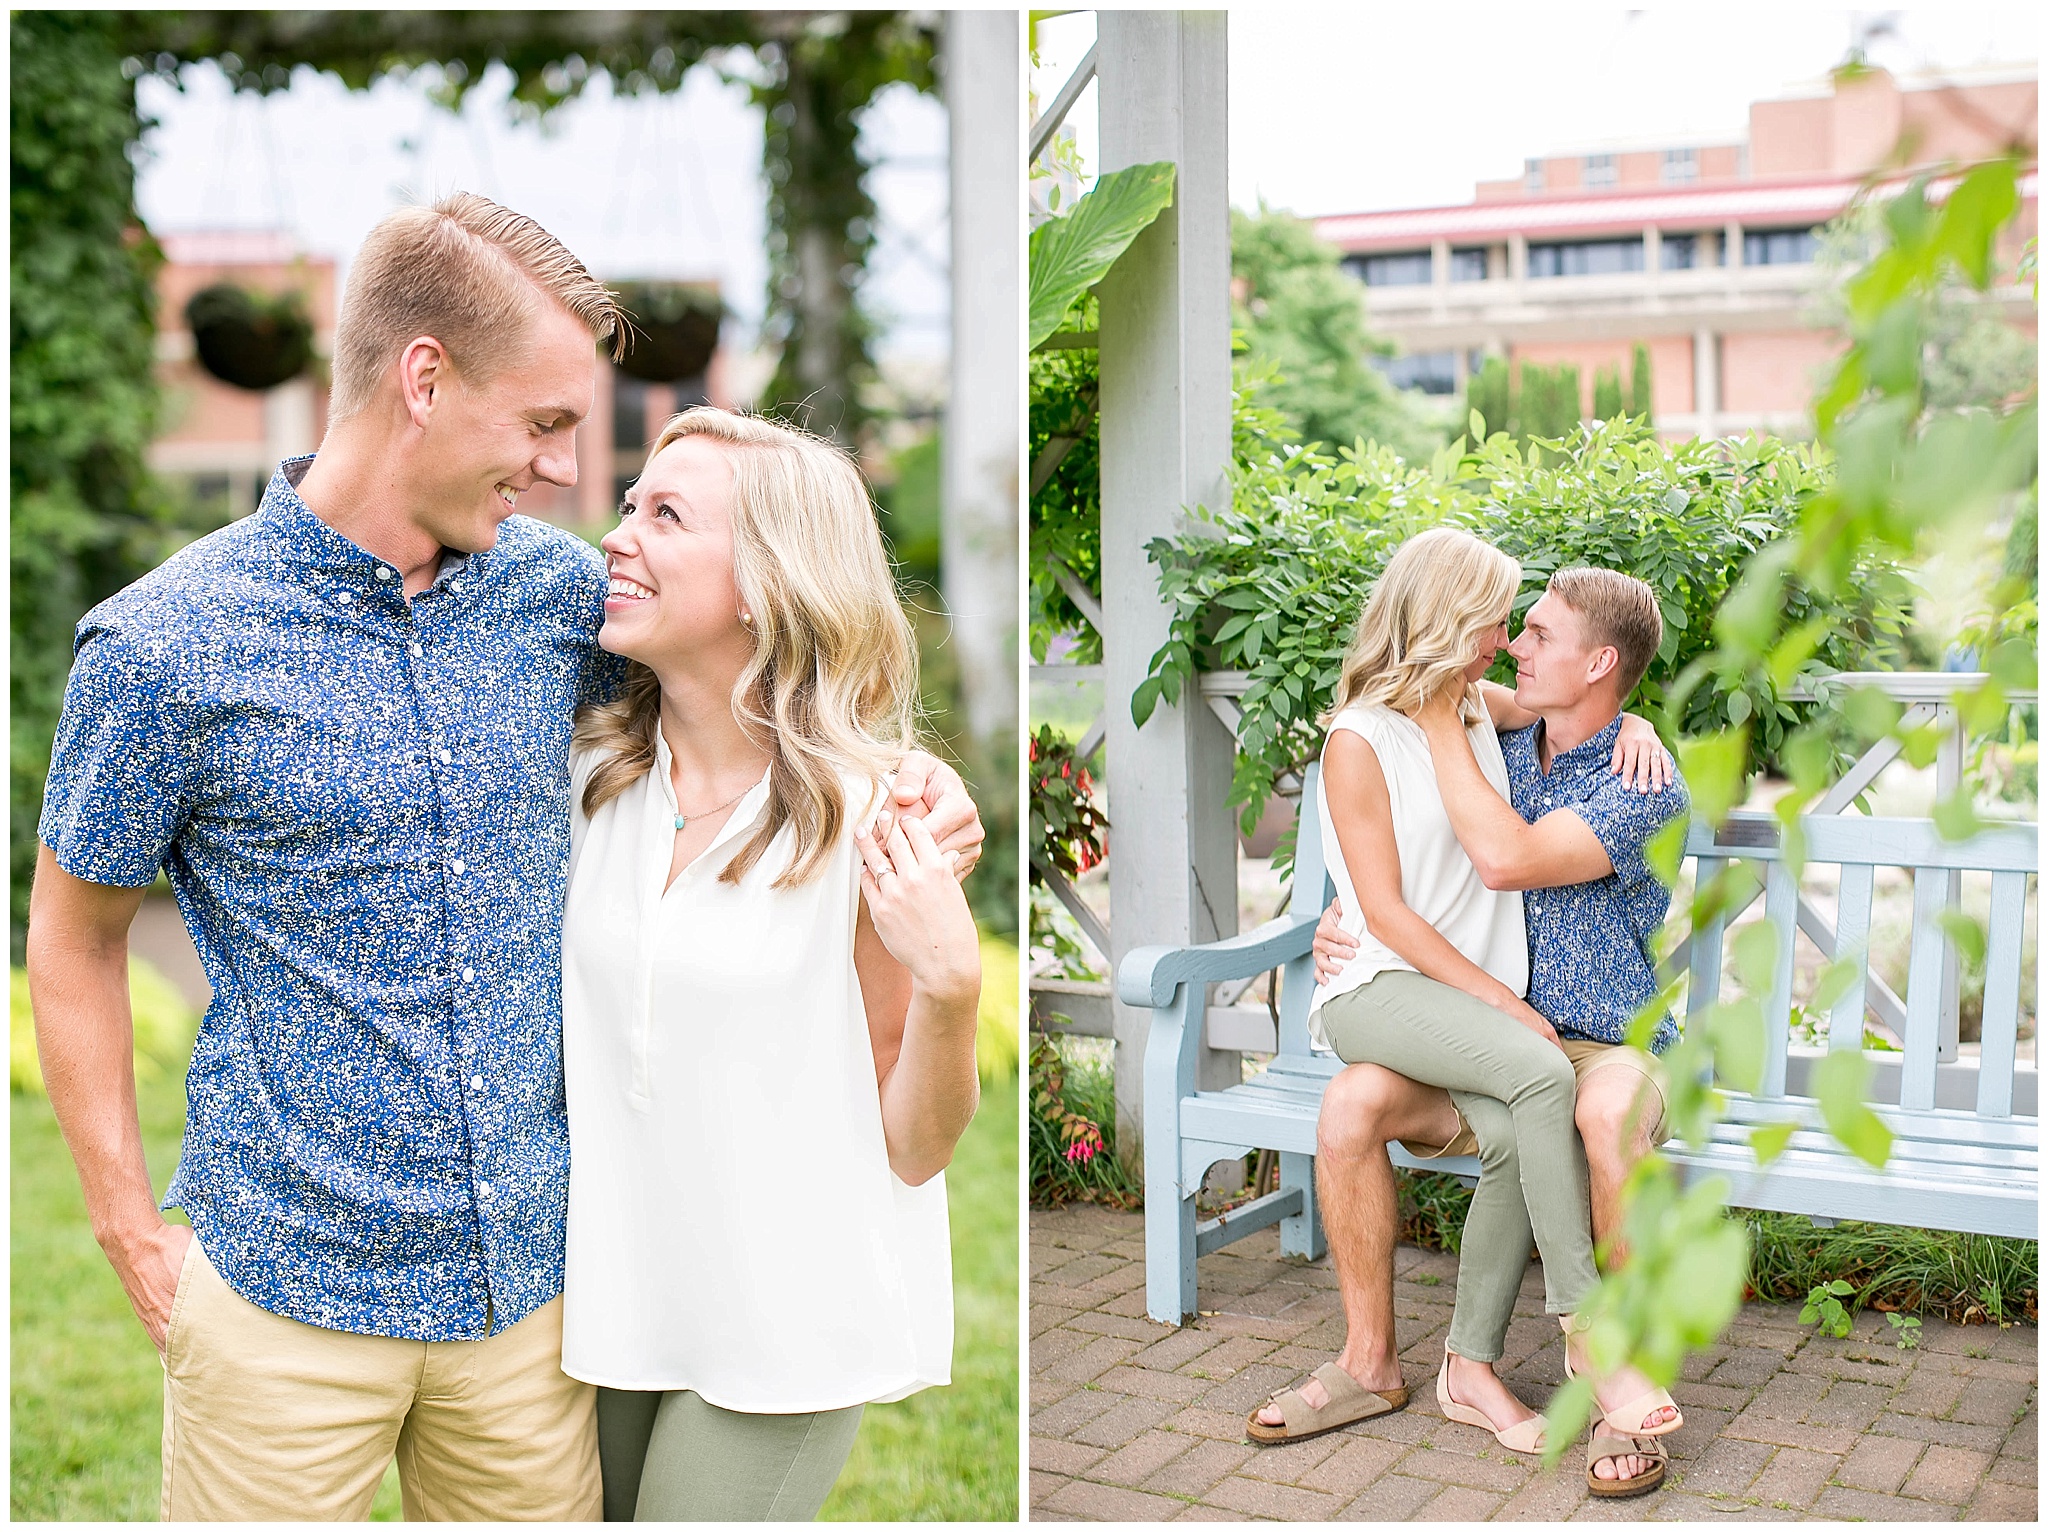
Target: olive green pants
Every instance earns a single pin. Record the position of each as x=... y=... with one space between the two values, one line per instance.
x=672 y=1457
x=1517 y=1091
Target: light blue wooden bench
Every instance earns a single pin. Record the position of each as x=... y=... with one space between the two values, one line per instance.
x=1974 y=1168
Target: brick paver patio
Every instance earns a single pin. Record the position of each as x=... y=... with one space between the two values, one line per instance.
x=1136 y=1421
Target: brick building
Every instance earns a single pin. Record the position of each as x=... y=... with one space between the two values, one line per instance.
x=220 y=443
x=1702 y=251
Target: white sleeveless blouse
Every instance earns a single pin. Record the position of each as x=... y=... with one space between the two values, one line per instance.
x=734 y=1226
x=1438 y=880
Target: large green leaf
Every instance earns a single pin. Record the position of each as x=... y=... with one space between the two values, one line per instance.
x=1070 y=255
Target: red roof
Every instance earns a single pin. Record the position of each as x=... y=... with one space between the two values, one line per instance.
x=1704 y=207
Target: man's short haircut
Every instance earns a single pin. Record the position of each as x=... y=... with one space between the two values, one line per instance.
x=1620 y=610
x=468 y=272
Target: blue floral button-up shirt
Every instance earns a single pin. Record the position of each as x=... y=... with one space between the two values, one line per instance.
x=1590 y=966
x=362 y=804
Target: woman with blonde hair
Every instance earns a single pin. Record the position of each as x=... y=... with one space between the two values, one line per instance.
x=769 y=992
x=1436 y=989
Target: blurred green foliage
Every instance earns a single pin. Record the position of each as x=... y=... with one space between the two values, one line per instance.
x=164 y=1023
x=1908 y=472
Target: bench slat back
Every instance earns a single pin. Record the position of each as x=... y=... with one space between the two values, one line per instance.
x=1852 y=944
x=1703 y=951
x=1923 y=989
x=2005 y=938
x=1781 y=913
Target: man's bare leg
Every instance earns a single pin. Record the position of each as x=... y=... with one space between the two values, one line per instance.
x=1364 y=1108
x=1615 y=1128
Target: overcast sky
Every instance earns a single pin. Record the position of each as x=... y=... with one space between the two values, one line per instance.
x=656 y=186
x=1363 y=107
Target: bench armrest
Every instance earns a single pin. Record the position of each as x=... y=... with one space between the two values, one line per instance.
x=1148 y=976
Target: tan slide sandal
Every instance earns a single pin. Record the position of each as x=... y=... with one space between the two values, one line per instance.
x=1605 y=1446
x=1350 y=1402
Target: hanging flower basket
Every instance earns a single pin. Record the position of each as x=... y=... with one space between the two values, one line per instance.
x=673 y=331
x=251 y=340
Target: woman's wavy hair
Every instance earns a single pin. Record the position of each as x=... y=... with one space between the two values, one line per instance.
x=831 y=690
x=1440 y=593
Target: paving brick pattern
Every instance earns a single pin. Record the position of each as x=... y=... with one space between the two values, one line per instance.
x=1135 y=1421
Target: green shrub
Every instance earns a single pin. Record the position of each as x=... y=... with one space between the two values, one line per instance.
x=1273 y=586
x=164 y=1028
x=1607 y=393
x=1639 y=381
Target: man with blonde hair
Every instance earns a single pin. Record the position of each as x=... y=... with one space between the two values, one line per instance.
x=341 y=726
x=1574 y=838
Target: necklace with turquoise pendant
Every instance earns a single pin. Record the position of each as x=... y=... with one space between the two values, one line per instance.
x=683 y=820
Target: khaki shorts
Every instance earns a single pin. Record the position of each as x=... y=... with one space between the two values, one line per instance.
x=268 y=1419
x=1586 y=1056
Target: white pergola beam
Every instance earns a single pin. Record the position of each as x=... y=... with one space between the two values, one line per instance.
x=1165 y=411
x=982 y=452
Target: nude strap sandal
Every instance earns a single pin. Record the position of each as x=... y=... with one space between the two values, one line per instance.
x=1350 y=1402
x=1522 y=1436
x=1604 y=1445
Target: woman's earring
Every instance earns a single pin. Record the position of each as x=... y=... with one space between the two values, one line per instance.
x=746 y=618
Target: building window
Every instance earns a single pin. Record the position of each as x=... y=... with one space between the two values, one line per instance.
x=1408 y=269
x=1532 y=175
x=1778 y=247
x=1586 y=258
x=1681 y=251
x=1600 y=170
x=1428 y=372
x=1468 y=265
x=1681 y=166
x=629 y=413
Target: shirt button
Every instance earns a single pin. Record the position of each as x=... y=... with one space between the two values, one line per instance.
x=383 y=573
x=343 y=597
x=416 y=650
x=447 y=759
x=456 y=868
x=456 y=586
x=483 y=1188
x=476 y=1082
x=468 y=975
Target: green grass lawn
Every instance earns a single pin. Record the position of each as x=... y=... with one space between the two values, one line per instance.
x=87 y=1391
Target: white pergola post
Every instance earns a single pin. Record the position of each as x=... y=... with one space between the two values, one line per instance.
x=983 y=443
x=1165 y=412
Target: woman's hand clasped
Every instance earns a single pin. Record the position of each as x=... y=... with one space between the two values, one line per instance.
x=1640 y=759
x=918 y=909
